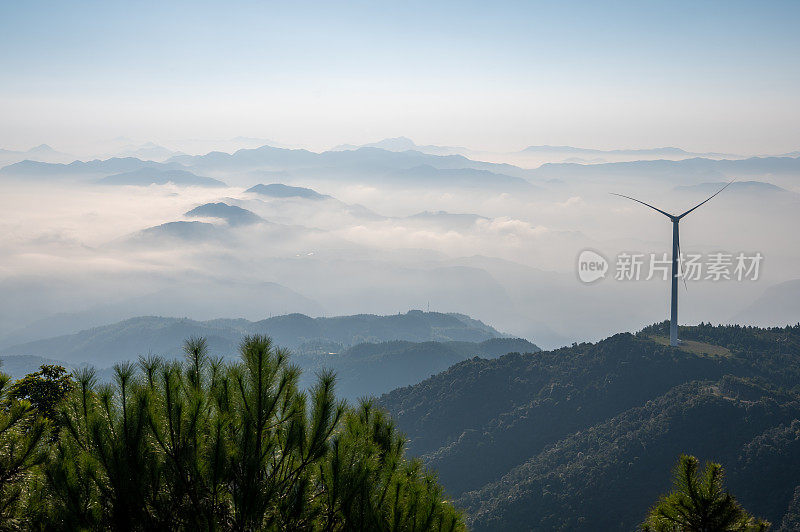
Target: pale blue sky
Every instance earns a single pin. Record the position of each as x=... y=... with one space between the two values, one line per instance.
x=721 y=76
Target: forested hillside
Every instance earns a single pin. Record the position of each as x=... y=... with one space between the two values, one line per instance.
x=584 y=437
x=371 y=369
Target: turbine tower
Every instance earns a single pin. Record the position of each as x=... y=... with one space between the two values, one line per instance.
x=676 y=246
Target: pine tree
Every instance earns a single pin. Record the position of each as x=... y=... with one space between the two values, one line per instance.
x=210 y=445
x=22 y=437
x=698 y=503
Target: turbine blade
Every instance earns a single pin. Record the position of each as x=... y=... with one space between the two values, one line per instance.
x=712 y=195
x=668 y=215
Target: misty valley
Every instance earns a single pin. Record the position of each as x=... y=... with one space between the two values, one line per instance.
x=271 y=231
x=131 y=271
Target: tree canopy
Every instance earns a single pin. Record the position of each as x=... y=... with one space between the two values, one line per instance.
x=45 y=389
x=204 y=444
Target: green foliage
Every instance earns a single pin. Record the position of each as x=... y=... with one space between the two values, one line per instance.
x=373 y=487
x=45 y=389
x=698 y=503
x=22 y=434
x=209 y=445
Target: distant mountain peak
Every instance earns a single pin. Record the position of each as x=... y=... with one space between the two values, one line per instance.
x=232 y=214
x=396 y=143
x=42 y=148
x=279 y=190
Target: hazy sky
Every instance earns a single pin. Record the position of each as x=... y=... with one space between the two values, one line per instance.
x=720 y=76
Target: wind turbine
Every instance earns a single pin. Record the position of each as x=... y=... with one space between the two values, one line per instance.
x=676 y=246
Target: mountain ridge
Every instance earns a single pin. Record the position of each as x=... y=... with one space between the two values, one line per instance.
x=166 y=335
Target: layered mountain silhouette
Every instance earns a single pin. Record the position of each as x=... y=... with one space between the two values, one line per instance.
x=407 y=168
x=405 y=144
x=204 y=297
x=42 y=153
x=687 y=171
x=397 y=168
x=404 y=350
x=114 y=165
x=663 y=151
x=372 y=163
x=148 y=151
x=166 y=335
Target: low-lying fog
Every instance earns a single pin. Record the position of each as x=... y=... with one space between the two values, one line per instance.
x=384 y=231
